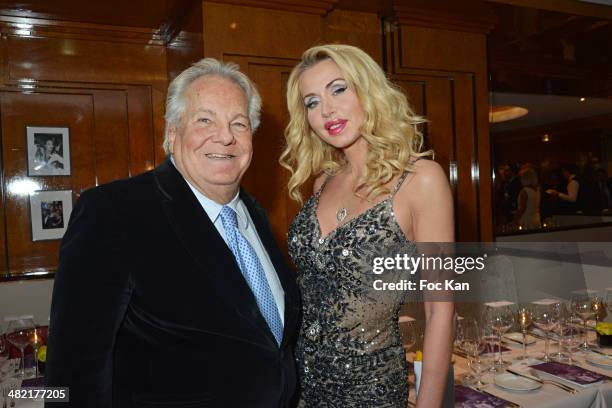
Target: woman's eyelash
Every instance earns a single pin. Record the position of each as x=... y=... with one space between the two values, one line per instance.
x=311 y=104
x=339 y=89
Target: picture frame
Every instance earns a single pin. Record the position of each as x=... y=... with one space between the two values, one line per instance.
x=48 y=151
x=49 y=213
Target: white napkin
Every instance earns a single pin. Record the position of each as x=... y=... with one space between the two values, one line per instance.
x=499 y=303
x=545 y=302
x=8 y=368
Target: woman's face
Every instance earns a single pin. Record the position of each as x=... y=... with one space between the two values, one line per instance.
x=333 y=109
x=49 y=146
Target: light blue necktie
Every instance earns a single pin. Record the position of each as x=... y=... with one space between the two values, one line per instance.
x=252 y=271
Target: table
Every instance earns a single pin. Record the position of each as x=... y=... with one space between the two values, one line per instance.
x=548 y=396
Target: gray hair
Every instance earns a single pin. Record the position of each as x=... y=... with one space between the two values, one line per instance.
x=175 y=101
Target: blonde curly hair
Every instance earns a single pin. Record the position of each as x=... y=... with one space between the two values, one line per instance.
x=389 y=128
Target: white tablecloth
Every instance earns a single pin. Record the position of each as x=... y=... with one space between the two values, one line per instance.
x=549 y=396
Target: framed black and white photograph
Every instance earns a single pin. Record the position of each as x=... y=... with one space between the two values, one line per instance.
x=48 y=151
x=49 y=213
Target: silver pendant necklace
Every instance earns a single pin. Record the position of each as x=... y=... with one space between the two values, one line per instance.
x=341 y=214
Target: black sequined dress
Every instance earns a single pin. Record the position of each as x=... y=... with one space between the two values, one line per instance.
x=349 y=351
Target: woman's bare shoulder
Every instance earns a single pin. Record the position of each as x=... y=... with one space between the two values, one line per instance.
x=428 y=174
x=427 y=182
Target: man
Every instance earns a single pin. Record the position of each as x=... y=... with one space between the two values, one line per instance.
x=570 y=200
x=170 y=289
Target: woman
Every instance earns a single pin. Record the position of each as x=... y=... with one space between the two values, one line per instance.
x=355 y=132
x=47 y=157
x=528 y=213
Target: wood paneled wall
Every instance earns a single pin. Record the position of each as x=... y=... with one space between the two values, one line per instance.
x=233 y=33
x=439 y=58
x=108 y=85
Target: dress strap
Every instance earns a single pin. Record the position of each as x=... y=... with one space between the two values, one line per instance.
x=399 y=183
x=402 y=179
x=323 y=185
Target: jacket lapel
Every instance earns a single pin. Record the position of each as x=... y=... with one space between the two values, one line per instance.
x=200 y=237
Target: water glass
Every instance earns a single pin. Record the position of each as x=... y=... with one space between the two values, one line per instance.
x=583 y=307
x=543 y=319
x=570 y=339
x=501 y=319
x=474 y=345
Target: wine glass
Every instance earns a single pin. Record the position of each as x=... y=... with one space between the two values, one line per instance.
x=597 y=305
x=524 y=320
x=475 y=346
x=408 y=336
x=608 y=300
x=2 y=347
x=500 y=318
x=562 y=317
x=21 y=333
x=2 y=341
x=461 y=344
x=570 y=339
x=407 y=327
x=583 y=306
x=489 y=338
x=544 y=320
x=459 y=332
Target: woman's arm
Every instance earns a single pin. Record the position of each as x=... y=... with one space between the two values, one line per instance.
x=430 y=202
x=56 y=158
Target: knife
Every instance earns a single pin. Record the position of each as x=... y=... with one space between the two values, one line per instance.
x=538 y=380
x=594 y=350
x=514 y=340
x=541 y=381
x=537 y=336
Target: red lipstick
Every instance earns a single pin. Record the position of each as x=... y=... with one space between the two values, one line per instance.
x=336 y=126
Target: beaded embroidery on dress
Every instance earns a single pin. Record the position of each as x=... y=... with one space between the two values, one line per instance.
x=349 y=351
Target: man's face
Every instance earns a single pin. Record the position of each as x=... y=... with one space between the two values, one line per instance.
x=212 y=146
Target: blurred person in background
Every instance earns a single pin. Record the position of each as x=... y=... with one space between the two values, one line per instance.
x=527 y=215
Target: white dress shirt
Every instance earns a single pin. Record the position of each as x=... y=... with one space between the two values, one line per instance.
x=248 y=230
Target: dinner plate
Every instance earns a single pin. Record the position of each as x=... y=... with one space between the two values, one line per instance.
x=515 y=383
x=598 y=359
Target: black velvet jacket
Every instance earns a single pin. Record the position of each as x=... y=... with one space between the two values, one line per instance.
x=150 y=309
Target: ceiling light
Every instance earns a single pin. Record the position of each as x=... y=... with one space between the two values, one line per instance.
x=504 y=113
